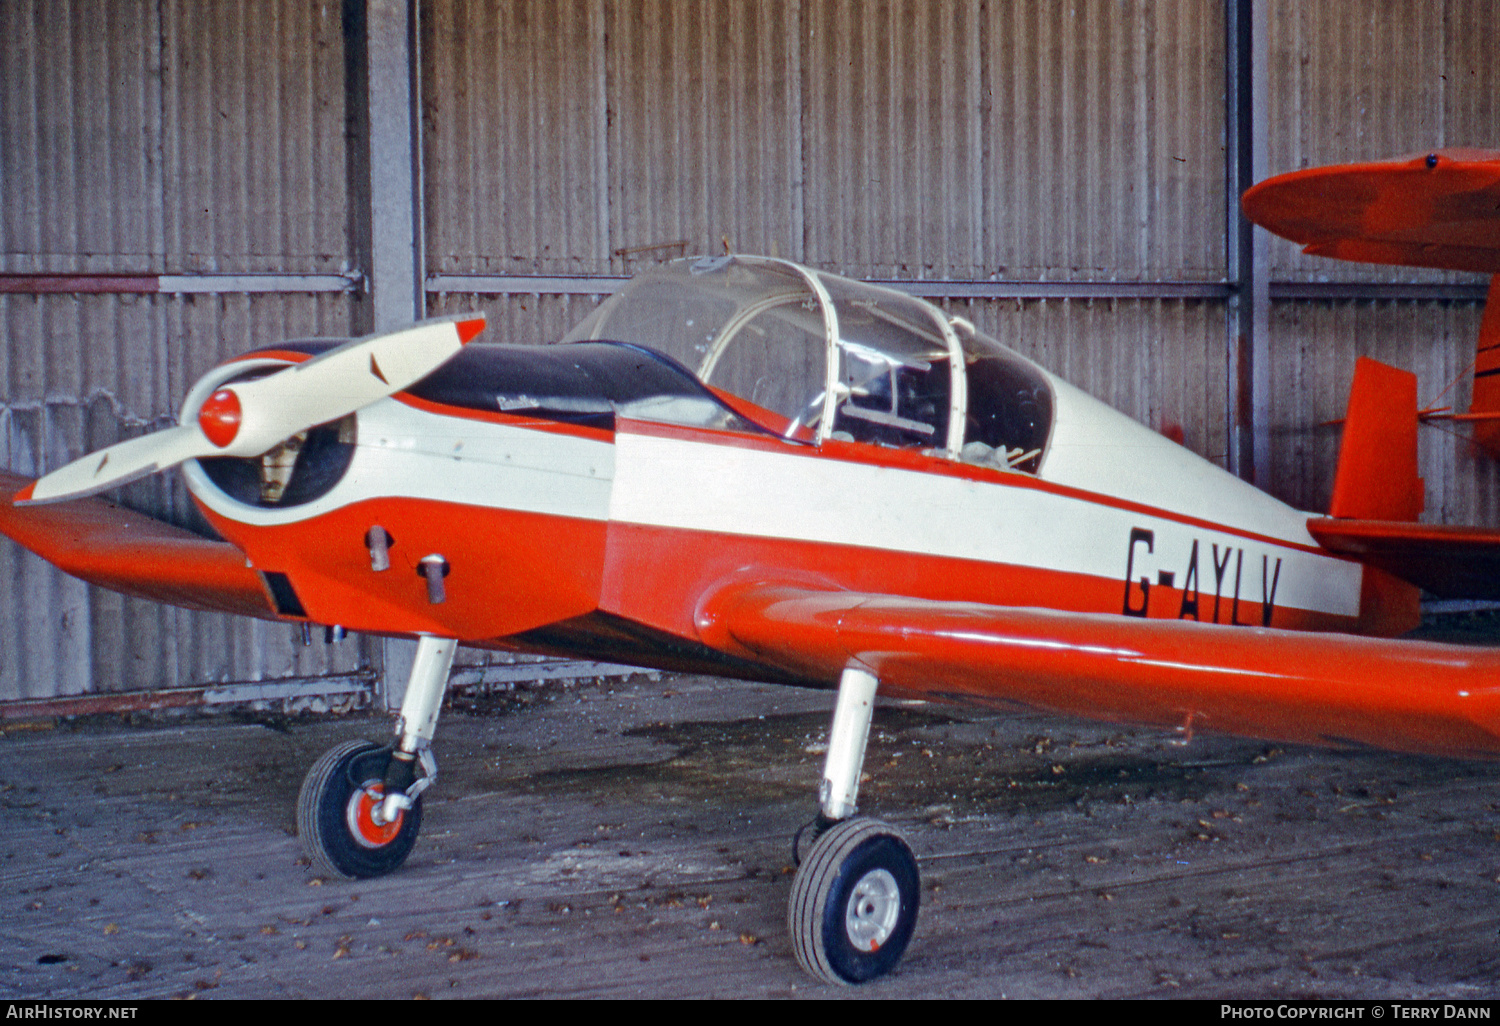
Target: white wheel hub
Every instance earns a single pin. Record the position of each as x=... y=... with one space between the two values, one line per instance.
x=874 y=907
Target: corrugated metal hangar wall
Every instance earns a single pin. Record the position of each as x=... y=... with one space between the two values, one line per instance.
x=184 y=180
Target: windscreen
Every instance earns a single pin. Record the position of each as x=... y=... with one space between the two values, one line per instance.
x=752 y=329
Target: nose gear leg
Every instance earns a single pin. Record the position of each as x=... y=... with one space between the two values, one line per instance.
x=416 y=726
x=846 y=744
x=360 y=807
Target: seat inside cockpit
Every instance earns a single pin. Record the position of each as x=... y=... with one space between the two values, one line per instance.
x=1009 y=410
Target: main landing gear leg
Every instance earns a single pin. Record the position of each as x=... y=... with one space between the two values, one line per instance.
x=855 y=896
x=361 y=805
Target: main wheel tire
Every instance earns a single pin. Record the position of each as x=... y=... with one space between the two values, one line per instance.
x=854 y=902
x=334 y=814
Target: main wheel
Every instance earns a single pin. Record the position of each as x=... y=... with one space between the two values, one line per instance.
x=854 y=902
x=334 y=814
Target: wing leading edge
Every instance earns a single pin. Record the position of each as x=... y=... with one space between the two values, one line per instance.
x=1326 y=689
x=110 y=546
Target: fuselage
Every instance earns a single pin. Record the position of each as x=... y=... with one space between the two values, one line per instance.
x=582 y=525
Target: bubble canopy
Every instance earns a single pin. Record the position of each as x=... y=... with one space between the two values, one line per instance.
x=836 y=359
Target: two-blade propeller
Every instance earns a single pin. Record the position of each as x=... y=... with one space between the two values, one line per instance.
x=247 y=418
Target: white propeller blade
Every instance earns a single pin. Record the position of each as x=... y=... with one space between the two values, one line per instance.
x=117 y=465
x=247 y=418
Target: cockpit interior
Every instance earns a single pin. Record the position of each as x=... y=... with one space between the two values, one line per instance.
x=836 y=359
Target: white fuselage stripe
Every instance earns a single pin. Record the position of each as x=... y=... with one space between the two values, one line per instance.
x=675 y=483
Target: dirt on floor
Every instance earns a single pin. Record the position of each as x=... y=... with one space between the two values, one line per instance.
x=633 y=839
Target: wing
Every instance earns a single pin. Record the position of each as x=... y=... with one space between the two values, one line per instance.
x=1279 y=685
x=134 y=554
x=1429 y=210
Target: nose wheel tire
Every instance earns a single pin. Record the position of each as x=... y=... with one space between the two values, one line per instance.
x=335 y=814
x=854 y=902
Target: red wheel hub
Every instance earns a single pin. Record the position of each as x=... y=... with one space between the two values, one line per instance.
x=361 y=816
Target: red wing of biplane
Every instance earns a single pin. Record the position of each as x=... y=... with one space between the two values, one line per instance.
x=1437 y=210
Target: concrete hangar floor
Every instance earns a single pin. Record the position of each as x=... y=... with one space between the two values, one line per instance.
x=632 y=838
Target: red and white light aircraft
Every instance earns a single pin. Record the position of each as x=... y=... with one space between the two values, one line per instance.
x=903 y=505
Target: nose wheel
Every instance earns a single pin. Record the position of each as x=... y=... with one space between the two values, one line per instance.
x=361 y=805
x=339 y=814
x=854 y=902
